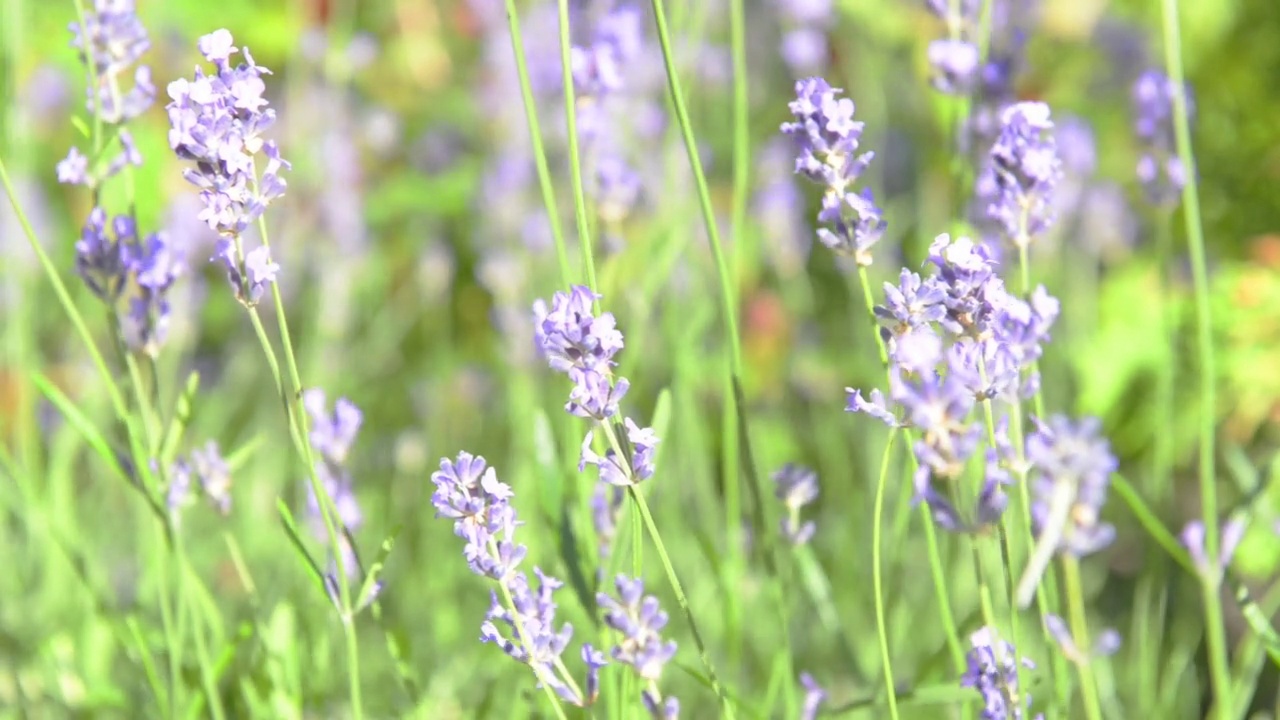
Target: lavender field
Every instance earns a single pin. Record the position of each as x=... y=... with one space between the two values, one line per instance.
x=620 y=359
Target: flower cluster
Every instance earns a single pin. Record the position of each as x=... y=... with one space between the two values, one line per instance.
x=957 y=338
x=332 y=434
x=993 y=672
x=112 y=39
x=1193 y=539
x=469 y=493
x=954 y=59
x=1025 y=168
x=796 y=487
x=826 y=137
x=639 y=620
x=1071 y=467
x=217 y=121
x=206 y=467
x=110 y=259
x=804 y=33
x=582 y=345
x=1160 y=169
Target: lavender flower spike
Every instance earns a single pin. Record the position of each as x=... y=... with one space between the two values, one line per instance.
x=639 y=620
x=468 y=492
x=217 y=121
x=826 y=137
x=1026 y=170
x=112 y=38
x=1160 y=170
x=993 y=673
x=1071 y=467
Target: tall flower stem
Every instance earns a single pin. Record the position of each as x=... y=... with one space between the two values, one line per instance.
x=681 y=599
x=535 y=138
x=1211 y=580
x=575 y=159
x=891 y=692
x=296 y=417
x=1080 y=634
x=1166 y=372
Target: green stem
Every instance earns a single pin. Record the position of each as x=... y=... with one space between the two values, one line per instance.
x=298 y=426
x=535 y=137
x=1219 y=670
x=877 y=581
x=1080 y=635
x=681 y=599
x=575 y=160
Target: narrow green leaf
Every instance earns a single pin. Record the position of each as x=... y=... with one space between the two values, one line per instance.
x=368 y=588
x=295 y=539
x=182 y=409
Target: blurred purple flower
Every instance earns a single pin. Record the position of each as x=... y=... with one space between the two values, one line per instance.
x=1071 y=467
x=796 y=487
x=1106 y=644
x=155 y=267
x=103 y=256
x=814 y=696
x=1193 y=539
x=992 y=671
x=1026 y=169
x=639 y=620
x=207 y=468
x=111 y=39
x=1160 y=169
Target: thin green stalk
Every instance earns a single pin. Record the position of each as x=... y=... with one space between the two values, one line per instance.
x=535 y=137
x=1080 y=634
x=1219 y=669
x=877 y=581
x=185 y=573
x=575 y=160
x=64 y=298
x=681 y=599
x=298 y=425
x=172 y=639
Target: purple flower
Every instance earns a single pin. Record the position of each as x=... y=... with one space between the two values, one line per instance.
x=796 y=487
x=955 y=65
x=111 y=39
x=606 y=504
x=248 y=279
x=207 y=467
x=1160 y=169
x=468 y=492
x=570 y=336
x=155 y=267
x=640 y=445
x=639 y=621
x=1026 y=169
x=332 y=433
x=217 y=122
x=826 y=138
x=1106 y=644
x=74 y=169
x=1071 y=466
x=992 y=671
x=814 y=696
x=103 y=256
x=1193 y=539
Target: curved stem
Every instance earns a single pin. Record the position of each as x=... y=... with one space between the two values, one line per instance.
x=890 y=689
x=1219 y=671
